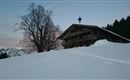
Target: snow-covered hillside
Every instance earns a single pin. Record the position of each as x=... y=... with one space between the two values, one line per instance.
x=103 y=60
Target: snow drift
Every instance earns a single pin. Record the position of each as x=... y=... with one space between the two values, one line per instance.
x=104 y=60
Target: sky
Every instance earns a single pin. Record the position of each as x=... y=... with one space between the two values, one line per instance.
x=65 y=13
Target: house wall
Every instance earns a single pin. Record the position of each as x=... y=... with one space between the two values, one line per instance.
x=81 y=39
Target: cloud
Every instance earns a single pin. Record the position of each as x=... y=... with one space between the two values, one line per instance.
x=9 y=40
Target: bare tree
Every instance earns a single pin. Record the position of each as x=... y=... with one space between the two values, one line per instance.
x=39 y=30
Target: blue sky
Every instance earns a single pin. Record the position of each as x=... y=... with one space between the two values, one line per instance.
x=65 y=13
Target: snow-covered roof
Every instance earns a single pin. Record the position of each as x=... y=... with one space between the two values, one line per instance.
x=115 y=34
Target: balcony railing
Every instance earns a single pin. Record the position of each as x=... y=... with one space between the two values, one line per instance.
x=79 y=40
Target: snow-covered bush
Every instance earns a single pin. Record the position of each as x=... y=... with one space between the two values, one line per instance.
x=11 y=52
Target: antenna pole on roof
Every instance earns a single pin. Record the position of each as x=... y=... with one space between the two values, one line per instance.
x=79 y=19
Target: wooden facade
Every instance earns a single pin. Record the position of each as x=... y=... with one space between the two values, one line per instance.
x=85 y=35
x=78 y=35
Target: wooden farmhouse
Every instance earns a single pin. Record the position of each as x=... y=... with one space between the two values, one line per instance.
x=85 y=35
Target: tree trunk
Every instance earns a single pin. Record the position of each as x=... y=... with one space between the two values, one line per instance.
x=39 y=49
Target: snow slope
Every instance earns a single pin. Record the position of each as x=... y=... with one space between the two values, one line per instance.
x=104 y=60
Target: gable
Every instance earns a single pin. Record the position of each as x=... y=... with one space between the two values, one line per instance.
x=75 y=29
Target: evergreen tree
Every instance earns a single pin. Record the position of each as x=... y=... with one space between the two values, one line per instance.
x=115 y=26
x=121 y=27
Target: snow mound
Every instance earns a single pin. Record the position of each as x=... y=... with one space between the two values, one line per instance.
x=104 y=43
x=94 y=62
